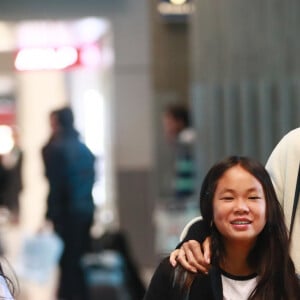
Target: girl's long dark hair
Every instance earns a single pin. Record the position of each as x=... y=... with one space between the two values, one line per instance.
x=270 y=256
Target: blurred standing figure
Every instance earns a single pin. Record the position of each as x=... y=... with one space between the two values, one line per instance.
x=69 y=167
x=3 y=179
x=181 y=136
x=12 y=163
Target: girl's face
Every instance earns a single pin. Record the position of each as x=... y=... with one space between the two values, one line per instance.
x=239 y=206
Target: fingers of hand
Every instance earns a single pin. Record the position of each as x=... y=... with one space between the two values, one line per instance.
x=182 y=259
x=173 y=257
x=194 y=258
x=206 y=246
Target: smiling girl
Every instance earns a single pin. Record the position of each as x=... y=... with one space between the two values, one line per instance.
x=250 y=255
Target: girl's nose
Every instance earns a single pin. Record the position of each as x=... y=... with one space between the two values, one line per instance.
x=241 y=206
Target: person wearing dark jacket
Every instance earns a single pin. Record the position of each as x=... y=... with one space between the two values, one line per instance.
x=250 y=254
x=69 y=168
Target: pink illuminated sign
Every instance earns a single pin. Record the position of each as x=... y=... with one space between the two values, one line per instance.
x=59 y=58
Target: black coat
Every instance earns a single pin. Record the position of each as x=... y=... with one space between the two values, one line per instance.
x=204 y=287
x=69 y=167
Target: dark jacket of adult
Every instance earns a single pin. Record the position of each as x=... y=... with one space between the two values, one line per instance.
x=69 y=167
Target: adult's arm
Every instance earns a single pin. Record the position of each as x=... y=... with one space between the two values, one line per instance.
x=276 y=168
x=282 y=166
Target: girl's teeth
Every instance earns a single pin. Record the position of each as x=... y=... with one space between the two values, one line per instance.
x=241 y=222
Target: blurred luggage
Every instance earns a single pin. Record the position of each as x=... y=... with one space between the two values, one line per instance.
x=105 y=275
x=110 y=271
x=39 y=256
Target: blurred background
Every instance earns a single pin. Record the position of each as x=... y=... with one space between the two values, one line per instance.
x=234 y=64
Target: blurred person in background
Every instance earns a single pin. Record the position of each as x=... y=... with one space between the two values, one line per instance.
x=13 y=162
x=181 y=137
x=69 y=168
x=3 y=180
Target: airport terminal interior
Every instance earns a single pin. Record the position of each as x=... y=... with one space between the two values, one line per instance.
x=117 y=64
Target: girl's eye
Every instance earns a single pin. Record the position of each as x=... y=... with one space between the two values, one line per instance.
x=227 y=198
x=254 y=197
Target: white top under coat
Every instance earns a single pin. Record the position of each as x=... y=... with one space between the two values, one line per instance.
x=4 y=290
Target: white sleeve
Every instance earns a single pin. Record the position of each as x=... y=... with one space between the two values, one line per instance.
x=274 y=167
x=282 y=166
x=5 y=293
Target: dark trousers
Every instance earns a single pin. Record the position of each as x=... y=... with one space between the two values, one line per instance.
x=75 y=232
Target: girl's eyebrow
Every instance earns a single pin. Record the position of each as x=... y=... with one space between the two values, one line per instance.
x=252 y=189
x=227 y=190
